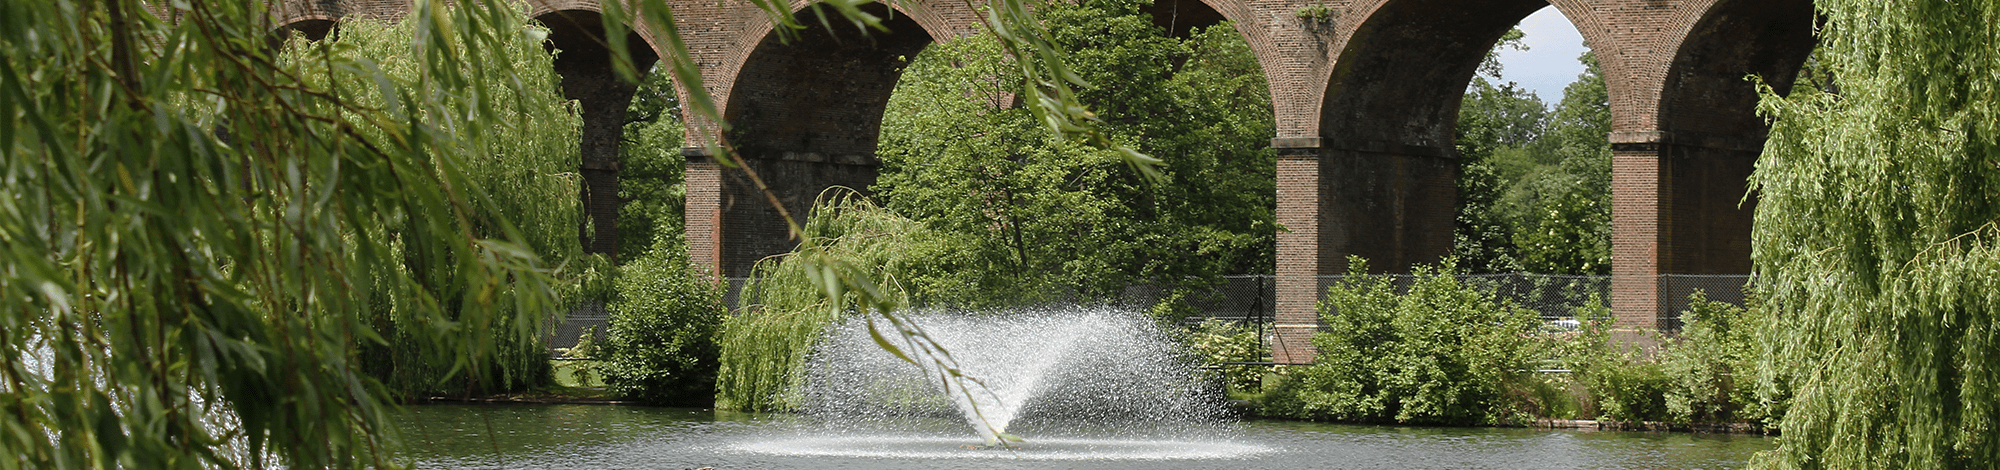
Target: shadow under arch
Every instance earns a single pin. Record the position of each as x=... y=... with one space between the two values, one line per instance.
x=1384 y=162
x=313 y=29
x=805 y=113
x=1179 y=18
x=584 y=61
x=1680 y=200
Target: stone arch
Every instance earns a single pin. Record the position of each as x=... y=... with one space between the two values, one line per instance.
x=820 y=95
x=804 y=112
x=585 y=63
x=938 y=24
x=1679 y=169
x=1705 y=92
x=1383 y=162
x=1376 y=175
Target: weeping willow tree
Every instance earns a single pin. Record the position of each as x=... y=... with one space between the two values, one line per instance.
x=524 y=164
x=1876 y=239
x=199 y=234
x=764 y=347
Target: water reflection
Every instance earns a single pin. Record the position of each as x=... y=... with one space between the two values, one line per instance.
x=582 y=436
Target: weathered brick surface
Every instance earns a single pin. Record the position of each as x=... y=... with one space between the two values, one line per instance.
x=1365 y=100
x=1684 y=139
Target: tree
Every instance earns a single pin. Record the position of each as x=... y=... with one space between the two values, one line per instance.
x=527 y=169
x=1048 y=215
x=1534 y=185
x=651 y=170
x=1563 y=223
x=198 y=237
x=1493 y=121
x=660 y=344
x=1875 y=239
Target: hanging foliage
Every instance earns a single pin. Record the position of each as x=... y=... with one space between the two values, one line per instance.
x=197 y=236
x=1876 y=239
x=525 y=167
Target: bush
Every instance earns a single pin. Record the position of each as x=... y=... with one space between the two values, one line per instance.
x=1215 y=342
x=1707 y=374
x=1713 y=368
x=1627 y=388
x=1444 y=353
x=661 y=347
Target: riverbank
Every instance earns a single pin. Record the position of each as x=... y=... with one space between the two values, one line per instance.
x=1248 y=411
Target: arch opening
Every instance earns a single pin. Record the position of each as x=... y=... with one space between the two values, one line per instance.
x=1179 y=18
x=1383 y=168
x=1681 y=205
x=806 y=115
x=1399 y=80
x=312 y=29
x=584 y=62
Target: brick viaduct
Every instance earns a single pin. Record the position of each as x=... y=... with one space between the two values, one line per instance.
x=1366 y=97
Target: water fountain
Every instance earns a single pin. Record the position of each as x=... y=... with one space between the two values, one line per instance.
x=1077 y=384
x=1089 y=388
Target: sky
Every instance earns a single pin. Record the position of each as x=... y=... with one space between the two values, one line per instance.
x=1550 y=63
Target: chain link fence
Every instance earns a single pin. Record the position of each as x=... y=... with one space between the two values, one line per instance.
x=1676 y=288
x=589 y=316
x=1252 y=299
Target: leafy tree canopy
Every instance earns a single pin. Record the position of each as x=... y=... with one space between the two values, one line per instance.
x=1875 y=236
x=1534 y=183
x=202 y=234
x=961 y=156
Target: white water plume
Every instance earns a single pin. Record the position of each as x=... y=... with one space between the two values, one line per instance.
x=1083 y=372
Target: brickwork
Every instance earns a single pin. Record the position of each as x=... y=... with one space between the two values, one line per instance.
x=589 y=78
x=1681 y=154
x=1365 y=98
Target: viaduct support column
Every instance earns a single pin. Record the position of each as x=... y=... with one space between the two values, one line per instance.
x=1391 y=204
x=1678 y=207
x=604 y=98
x=587 y=76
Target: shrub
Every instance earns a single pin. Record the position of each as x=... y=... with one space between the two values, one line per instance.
x=661 y=347
x=1706 y=363
x=1627 y=388
x=1706 y=374
x=1716 y=374
x=1442 y=353
x=1216 y=342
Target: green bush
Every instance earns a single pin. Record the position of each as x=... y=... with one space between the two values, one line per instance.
x=1704 y=366
x=1442 y=353
x=1715 y=370
x=1627 y=388
x=661 y=347
x=1705 y=374
x=1216 y=341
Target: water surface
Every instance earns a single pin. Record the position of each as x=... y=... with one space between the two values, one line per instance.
x=591 y=437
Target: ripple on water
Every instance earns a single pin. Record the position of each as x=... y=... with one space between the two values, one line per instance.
x=930 y=448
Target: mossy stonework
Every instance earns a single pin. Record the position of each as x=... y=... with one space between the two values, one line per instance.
x=1365 y=92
